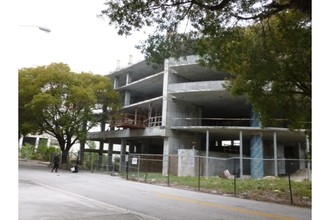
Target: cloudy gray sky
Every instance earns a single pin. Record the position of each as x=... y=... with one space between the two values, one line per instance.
x=77 y=37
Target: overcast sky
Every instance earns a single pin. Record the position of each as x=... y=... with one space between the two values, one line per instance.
x=78 y=37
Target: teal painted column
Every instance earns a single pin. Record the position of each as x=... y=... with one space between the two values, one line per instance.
x=257 y=154
x=256 y=150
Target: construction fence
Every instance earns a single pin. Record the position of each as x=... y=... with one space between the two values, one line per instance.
x=197 y=172
x=139 y=164
x=216 y=175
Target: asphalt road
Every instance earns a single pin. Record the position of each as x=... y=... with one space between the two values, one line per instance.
x=64 y=195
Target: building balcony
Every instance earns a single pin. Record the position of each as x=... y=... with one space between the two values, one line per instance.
x=137 y=121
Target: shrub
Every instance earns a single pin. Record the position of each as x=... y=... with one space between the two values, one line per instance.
x=43 y=152
x=26 y=151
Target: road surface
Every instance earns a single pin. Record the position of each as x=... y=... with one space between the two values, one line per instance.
x=64 y=195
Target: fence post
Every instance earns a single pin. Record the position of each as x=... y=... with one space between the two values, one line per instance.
x=168 y=171
x=127 y=168
x=234 y=177
x=290 y=189
x=91 y=158
x=199 y=173
x=145 y=172
x=139 y=167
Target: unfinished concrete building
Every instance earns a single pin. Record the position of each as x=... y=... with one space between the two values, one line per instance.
x=183 y=106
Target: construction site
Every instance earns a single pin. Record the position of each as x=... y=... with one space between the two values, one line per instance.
x=181 y=108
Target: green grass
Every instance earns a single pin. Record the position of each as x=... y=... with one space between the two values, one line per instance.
x=273 y=190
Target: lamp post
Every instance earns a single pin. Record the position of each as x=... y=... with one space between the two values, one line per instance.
x=47 y=30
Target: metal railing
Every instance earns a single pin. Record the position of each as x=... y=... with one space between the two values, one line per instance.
x=238 y=122
x=131 y=121
x=136 y=121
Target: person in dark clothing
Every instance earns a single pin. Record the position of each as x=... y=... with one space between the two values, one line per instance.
x=75 y=168
x=56 y=163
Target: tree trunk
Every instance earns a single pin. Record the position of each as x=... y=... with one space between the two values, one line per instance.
x=81 y=153
x=82 y=144
x=65 y=154
x=62 y=147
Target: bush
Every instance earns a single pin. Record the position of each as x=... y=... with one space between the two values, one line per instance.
x=43 y=152
x=26 y=151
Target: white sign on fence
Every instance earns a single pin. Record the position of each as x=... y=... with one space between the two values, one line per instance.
x=134 y=160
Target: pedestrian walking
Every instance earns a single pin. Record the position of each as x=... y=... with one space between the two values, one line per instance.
x=56 y=162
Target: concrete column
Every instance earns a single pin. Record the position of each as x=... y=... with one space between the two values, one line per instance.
x=275 y=154
x=127 y=98
x=116 y=82
x=165 y=92
x=241 y=153
x=149 y=113
x=256 y=149
x=135 y=116
x=257 y=154
x=308 y=154
x=130 y=59
x=307 y=144
x=100 y=154
x=166 y=154
x=21 y=141
x=37 y=141
x=110 y=153
x=128 y=78
x=301 y=153
x=207 y=154
x=122 y=155
x=255 y=122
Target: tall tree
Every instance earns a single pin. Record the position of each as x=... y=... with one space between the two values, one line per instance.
x=54 y=100
x=270 y=63
x=264 y=44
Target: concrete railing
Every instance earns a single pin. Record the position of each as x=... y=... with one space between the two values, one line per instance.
x=212 y=122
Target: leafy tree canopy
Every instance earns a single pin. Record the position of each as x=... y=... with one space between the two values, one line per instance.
x=264 y=44
x=167 y=15
x=54 y=100
x=270 y=63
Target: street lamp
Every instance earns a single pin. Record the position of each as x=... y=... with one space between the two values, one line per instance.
x=44 y=29
x=47 y=30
